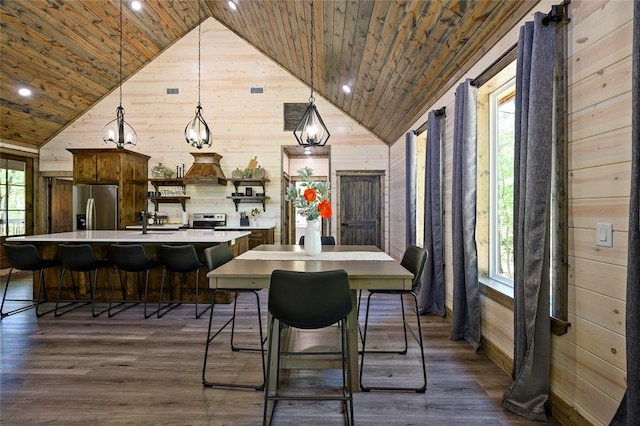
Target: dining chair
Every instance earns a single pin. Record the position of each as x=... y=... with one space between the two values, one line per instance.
x=131 y=258
x=217 y=256
x=326 y=240
x=180 y=259
x=80 y=258
x=414 y=260
x=307 y=301
x=26 y=257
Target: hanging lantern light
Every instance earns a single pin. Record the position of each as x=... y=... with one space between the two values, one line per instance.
x=311 y=130
x=118 y=131
x=197 y=133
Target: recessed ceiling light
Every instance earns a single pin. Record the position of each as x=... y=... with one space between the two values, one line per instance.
x=24 y=92
x=136 y=5
x=232 y=5
x=346 y=88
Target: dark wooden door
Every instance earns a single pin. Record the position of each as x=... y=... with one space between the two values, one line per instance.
x=361 y=208
x=61 y=205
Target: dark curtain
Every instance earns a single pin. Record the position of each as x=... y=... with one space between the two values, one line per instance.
x=431 y=297
x=411 y=184
x=466 y=291
x=529 y=394
x=629 y=411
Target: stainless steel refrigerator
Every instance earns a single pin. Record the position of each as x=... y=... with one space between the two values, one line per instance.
x=95 y=207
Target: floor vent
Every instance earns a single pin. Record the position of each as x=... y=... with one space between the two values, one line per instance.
x=173 y=91
x=257 y=90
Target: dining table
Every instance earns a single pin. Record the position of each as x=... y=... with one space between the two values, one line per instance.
x=368 y=268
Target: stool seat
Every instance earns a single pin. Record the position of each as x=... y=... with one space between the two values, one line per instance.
x=26 y=257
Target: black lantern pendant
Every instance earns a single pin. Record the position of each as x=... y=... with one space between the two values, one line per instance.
x=197 y=133
x=311 y=130
x=118 y=131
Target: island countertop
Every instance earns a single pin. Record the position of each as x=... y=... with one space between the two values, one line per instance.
x=131 y=236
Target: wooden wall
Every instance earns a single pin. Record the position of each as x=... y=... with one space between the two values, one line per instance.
x=588 y=363
x=244 y=125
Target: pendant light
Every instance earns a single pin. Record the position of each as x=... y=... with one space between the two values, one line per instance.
x=311 y=130
x=197 y=133
x=119 y=131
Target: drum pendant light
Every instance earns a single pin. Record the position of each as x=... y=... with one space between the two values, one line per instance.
x=197 y=133
x=311 y=130
x=119 y=131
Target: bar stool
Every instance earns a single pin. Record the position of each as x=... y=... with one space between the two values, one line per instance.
x=26 y=257
x=309 y=301
x=131 y=258
x=181 y=260
x=414 y=260
x=217 y=256
x=80 y=258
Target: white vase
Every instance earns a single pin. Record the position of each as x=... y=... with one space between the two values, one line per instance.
x=312 y=242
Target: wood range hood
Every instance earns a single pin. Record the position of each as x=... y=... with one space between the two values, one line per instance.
x=205 y=170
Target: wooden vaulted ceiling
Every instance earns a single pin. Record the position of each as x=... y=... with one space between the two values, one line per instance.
x=398 y=56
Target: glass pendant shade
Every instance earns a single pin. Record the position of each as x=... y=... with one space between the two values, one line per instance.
x=197 y=132
x=311 y=130
x=119 y=131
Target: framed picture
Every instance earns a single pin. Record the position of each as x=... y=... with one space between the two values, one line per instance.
x=248 y=192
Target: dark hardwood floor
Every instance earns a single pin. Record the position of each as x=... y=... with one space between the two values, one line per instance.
x=79 y=370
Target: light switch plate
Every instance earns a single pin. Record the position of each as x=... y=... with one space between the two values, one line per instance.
x=604 y=234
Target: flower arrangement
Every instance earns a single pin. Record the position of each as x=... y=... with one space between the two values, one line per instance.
x=314 y=200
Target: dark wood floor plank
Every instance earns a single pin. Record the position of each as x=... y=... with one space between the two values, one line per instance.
x=79 y=370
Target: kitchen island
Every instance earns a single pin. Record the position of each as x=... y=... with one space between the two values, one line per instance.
x=101 y=240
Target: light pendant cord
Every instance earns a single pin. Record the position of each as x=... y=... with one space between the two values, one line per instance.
x=313 y=38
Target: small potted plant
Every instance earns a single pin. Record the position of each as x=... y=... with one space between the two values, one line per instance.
x=255 y=213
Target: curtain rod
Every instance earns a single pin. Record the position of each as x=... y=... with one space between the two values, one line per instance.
x=439 y=113
x=558 y=13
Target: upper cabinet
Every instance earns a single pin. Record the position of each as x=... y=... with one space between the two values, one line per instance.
x=108 y=166
x=121 y=167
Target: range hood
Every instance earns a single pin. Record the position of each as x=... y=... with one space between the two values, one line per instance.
x=205 y=170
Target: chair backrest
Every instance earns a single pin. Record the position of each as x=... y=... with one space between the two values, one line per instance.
x=309 y=300
x=77 y=257
x=129 y=257
x=217 y=255
x=327 y=240
x=181 y=258
x=414 y=260
x=25 y=257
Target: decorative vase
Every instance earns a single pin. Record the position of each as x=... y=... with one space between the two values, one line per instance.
x=312 y=242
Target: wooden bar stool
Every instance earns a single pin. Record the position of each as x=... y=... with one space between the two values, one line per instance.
x=26 y=257
x=80 y=258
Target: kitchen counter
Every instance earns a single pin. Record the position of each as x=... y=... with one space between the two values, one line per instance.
x=242 y=228
x=154 y=235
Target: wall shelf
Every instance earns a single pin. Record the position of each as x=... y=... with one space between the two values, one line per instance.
x=181 y=199
x=257 y=199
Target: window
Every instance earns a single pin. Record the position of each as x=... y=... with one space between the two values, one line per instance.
x=12 y=197
x=501 y=175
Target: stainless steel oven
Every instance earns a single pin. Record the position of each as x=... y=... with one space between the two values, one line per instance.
x=208 y=220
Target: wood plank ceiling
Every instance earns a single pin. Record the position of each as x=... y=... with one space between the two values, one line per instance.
x=398 y=56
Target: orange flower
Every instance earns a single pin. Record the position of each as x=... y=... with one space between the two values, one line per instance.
x=310 y=195
x=325 y=209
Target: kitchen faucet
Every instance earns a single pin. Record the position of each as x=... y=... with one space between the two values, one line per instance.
x=144 y=215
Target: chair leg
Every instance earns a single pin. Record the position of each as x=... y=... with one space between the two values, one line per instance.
x=170 y=305
x=124 y=293
x=41 y=290
x=79 y=303
x=146 y=296
x=95 y=291
x=4 y=298
x=417 y=337
x=210 y=338
x=198 y=315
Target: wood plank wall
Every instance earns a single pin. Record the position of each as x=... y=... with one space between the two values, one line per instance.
x=588 y=363
x=244 y=125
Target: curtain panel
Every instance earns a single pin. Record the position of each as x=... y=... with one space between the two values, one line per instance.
x=431 y=295
x=529 y=394
x=466 y=291
x=411 y=165
x=629 y=410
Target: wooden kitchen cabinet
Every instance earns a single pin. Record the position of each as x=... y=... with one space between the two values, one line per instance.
x=121 y=167
x=261 y=236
